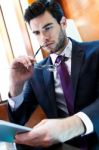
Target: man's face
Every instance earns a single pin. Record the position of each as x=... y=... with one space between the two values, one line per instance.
x=49 y=33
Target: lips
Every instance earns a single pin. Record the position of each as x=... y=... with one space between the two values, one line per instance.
x=47 y=44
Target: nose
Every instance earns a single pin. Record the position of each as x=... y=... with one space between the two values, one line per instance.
x=44 y=37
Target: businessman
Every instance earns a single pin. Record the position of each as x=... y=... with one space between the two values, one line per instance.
x=73 y=115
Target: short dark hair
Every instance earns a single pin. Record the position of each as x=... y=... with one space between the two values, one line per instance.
x=40 y=6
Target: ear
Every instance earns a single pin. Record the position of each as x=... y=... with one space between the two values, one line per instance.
x=63 y=22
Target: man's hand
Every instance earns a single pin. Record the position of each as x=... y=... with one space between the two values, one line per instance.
x=51 y=131
x=21 y=70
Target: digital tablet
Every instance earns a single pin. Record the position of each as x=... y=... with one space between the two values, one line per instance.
x=8 y=130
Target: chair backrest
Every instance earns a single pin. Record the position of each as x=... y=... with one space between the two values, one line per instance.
x=4 y=111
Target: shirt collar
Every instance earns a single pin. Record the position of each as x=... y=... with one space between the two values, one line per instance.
x=66 y=52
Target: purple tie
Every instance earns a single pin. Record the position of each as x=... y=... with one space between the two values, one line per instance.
x=66 y=85
x=65 y=82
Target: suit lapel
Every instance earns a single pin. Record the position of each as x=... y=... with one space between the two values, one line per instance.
x=50 y=89
x=77 y=57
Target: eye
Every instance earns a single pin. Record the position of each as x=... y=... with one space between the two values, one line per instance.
x=48 y=28
x=36 y=32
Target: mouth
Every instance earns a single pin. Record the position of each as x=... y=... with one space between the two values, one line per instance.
x=47 y=44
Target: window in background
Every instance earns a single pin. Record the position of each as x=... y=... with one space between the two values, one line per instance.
x=4 y=72
x=6 y=55
x=12 y=24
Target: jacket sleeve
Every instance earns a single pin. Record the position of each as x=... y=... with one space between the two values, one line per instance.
x=22 y=114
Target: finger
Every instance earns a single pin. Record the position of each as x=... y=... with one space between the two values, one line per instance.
x=26 y=61
x=29 y=61
x=23 y=138
x=27 y=138
x=31 y=141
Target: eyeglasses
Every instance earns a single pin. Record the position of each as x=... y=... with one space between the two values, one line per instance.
x=50 y=68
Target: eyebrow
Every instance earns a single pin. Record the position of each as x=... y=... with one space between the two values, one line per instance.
x=48 y=24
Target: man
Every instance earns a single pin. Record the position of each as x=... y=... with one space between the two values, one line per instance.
x=30 y=86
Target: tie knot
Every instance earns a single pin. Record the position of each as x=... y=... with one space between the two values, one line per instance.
x=60 y=59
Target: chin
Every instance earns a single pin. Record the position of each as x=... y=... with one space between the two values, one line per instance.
x=50 y=50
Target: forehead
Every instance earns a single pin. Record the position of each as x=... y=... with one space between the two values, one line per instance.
x=40 y=21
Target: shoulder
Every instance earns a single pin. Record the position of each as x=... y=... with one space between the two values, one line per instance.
x=91 y=48
x=91 y=44
x=87 y=43
x=87 y=47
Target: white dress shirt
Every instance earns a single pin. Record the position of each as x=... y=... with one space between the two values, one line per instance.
x=60 y=100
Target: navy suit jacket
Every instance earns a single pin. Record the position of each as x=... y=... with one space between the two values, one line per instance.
x=85 y=80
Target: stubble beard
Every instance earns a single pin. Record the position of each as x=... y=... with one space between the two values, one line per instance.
x=61 y=42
